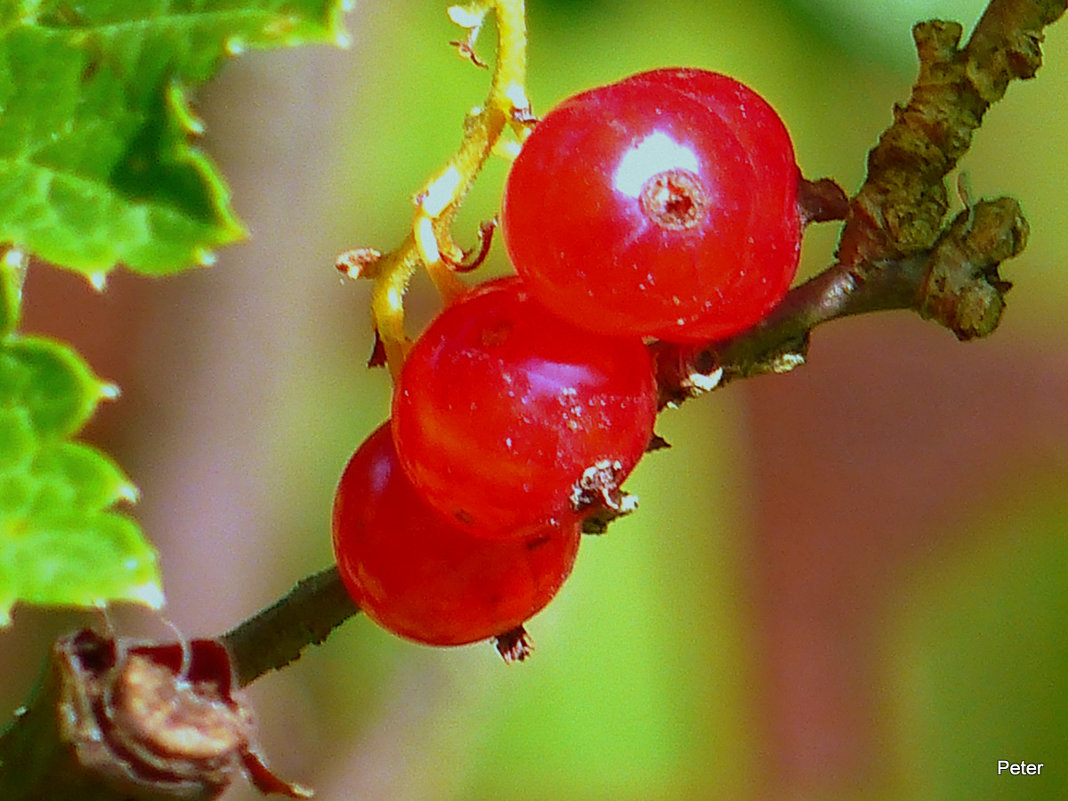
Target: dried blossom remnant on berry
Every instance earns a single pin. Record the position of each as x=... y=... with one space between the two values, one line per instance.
x=514 y=645
x=674 y=200
x=596 y=522
x=598 y=496
x=598 y=486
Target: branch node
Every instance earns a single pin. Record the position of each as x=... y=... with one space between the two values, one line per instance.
x=963 y=290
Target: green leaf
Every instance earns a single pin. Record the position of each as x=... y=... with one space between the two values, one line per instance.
x=74 y=558
x=96 y=161
x=61 y=541
x=51 y=383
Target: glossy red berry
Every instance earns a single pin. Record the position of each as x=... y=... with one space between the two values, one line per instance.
x=508 y=418
x=664 y=205
x=417 y=574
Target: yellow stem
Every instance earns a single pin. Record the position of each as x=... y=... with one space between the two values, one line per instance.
x=437 y=203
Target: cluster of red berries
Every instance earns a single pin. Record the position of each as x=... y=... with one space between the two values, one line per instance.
x=660 y=207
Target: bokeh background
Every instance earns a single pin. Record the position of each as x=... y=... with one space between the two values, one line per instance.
x=850 y=582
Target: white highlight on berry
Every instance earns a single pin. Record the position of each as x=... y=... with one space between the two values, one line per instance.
x=654 y=154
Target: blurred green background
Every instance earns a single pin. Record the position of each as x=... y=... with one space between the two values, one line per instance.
x=850 y=582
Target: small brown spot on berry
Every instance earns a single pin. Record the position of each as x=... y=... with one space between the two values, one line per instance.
x=493 y=335
x=536 y=542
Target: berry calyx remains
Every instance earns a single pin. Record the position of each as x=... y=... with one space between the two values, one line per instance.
x=673 y=199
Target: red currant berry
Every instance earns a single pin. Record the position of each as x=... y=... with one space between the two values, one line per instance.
x=664 y=205
x=507 y=417
x=417 y=574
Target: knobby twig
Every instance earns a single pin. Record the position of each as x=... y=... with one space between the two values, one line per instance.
x=894 y=252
